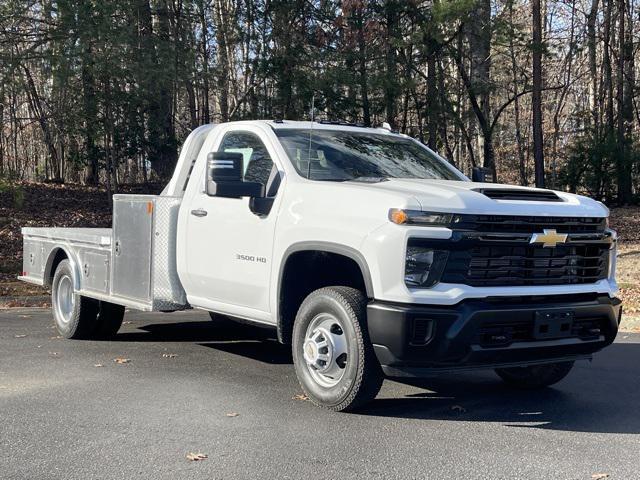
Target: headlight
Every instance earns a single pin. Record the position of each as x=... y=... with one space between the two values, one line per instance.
x=423 y=266
x=418 y=217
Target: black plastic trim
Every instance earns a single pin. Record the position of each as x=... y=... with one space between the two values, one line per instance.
x=329 y=247
x=456 y=341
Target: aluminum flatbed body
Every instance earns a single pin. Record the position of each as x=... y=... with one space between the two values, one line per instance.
x=131 y=264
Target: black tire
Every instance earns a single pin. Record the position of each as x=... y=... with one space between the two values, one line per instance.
x=535 y=376
x=109 y=320
x=362 y=377
x=76 y=319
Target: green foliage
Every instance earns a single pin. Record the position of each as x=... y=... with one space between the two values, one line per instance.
x=592 y=164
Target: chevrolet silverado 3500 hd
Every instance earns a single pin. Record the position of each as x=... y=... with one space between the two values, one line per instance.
x=368 y=252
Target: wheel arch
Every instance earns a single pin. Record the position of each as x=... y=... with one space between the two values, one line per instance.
x=57 y=255
x=339 y=251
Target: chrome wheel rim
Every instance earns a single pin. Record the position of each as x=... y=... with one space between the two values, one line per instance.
x=65 y=299
x=325 y=350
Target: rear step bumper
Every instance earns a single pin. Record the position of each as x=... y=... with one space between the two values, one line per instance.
x=416 y=340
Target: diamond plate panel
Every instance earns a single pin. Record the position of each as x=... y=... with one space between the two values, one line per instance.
x=167 y=292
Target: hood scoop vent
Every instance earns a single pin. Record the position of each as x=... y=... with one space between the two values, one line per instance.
x=517 y=194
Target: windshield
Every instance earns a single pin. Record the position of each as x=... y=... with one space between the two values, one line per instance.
x=339 y=155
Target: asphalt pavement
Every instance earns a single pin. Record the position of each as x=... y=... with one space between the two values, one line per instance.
x=186 y=385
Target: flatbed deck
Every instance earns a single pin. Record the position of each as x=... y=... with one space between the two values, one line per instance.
x=88 y=236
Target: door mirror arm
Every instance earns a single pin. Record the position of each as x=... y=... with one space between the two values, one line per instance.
x=261 y=206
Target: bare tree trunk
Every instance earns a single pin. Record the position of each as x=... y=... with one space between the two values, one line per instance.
x=222 y=13
x=479 y=37
x=522 y=166
x=536 y=100
x=592 y=47
x=38 y=110
x=90 y=117
x=391 y=81
x=432 y=95
x=624 y=97
x=2 y=148
x=606 y=65
x=362 y=71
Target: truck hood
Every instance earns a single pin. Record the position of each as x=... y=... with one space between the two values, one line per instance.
x=464 y=197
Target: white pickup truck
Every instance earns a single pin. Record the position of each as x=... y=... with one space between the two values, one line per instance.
x=367 y=251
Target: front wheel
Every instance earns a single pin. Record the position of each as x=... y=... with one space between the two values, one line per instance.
x=535 y=376
x=334 y=359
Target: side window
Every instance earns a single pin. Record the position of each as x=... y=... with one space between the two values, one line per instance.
x=258 y=166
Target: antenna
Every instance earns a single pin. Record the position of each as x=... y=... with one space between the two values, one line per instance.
x=313 y=102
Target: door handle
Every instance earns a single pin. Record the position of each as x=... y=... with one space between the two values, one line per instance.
x=199 y=213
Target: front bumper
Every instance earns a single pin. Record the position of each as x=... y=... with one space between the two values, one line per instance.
x=416 y=340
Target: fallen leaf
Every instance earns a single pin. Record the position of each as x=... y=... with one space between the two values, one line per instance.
x=56 y=337
x=126 y=323
x=195 y=457
x=19 y=336
x=458 y=408
x=121 y=360
x=169 y=355
x=599 y=476
x=54 y=354
x=300 y=396
x=98 y=365
x=232 y=414
x=25 y=316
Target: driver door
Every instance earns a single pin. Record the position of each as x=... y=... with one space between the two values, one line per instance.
x=229 y=250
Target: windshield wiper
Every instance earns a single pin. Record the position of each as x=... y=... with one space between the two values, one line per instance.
x=369 y=179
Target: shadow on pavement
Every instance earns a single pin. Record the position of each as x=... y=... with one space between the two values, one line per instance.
x=593 y=398
x=221 y=334
x=599 y=397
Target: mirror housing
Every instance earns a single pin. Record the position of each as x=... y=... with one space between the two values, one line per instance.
x=224 y=177
x=482 y=174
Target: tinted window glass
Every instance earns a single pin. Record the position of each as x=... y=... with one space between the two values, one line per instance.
x=257 y=162
x=343 y=155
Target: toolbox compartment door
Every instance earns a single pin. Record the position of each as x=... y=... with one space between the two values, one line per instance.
x=131 y=247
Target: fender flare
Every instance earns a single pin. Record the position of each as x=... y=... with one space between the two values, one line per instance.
x=48 y=268
x=329 y=247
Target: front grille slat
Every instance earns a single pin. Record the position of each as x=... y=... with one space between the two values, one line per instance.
x=477 y=259
x=532 y=265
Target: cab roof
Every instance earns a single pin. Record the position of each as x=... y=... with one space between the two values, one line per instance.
x=325 y=125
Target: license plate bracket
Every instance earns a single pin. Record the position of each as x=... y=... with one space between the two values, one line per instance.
x=550 y=324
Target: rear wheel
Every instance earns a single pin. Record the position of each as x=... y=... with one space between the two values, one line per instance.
x=535 y=376
x=74 y=315
x=334 y=359
x=109 y=319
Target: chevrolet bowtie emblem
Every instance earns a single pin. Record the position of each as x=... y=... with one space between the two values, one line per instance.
x=549 y=238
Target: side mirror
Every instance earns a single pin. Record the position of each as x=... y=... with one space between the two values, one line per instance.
x=482 y=174
x=224 y=177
